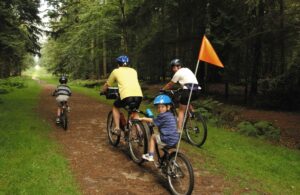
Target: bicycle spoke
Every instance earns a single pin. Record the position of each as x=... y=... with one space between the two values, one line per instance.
x=196 y=131
x=137 y=144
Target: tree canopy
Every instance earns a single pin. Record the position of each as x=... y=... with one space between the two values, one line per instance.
x=19 y=32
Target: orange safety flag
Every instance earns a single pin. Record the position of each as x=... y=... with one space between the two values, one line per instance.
x=208 y=54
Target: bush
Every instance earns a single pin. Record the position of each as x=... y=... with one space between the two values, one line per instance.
x=262 y=129
x=7 y=85
x=89 y=83
x=247 y=128
x=267 y=130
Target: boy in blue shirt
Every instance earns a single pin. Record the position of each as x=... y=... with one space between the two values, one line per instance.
x=167 y=126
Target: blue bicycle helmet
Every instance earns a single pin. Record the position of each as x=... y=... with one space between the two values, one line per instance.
x=122 y=60
x=162 y=99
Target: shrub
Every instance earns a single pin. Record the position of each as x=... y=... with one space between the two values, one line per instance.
x=89 y=83
x=268 y=130
x=247 y=128
x=7 y=85
x=262 y=129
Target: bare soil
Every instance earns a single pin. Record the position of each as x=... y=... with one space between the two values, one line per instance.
x=100 y=168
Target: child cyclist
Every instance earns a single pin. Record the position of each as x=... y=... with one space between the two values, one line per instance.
x=62 y=93
x=166 y=123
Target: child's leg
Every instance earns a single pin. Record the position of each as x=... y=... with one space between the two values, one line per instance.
x=150 y=155
x=152 y=144
x=58 y=111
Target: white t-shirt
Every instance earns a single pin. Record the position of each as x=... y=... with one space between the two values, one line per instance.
x=184 y=76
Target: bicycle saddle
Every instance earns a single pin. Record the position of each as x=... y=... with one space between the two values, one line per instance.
x=167 y=148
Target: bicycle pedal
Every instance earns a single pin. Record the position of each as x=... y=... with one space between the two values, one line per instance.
x=156 y=164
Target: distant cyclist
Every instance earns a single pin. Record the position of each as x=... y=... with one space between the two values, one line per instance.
x=62 y=93
x=186 y=78
x=129 y=89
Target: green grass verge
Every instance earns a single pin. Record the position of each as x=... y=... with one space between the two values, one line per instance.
x=30 y=162
x=254 y=164
x=251 y=165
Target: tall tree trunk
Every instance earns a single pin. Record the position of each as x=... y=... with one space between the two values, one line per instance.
x=104 y=66
x=124 y=29
x=93 y=60
x=162 y=62
x=177 y=42
x=257 y=50
x=282 y=38
x=104 y=53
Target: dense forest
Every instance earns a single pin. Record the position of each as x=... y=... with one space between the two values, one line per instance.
x=258 y=41
x=19 y=32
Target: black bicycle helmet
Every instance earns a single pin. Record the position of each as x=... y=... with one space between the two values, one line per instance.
x=175 y=62
x=63 y=80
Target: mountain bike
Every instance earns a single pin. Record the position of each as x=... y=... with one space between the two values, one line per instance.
x=176 y=168
x=132 y=131
x=195 y=126
x=63 y=115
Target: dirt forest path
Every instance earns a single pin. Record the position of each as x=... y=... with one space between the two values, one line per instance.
x=100 y=168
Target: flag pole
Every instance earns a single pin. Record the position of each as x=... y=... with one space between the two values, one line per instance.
x=186 y=110
x=206 y=54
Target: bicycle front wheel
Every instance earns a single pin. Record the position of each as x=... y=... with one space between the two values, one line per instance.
x=196 y=130
x=64 y=120
x=138 y=143
x=112 y=137
x=180 y=175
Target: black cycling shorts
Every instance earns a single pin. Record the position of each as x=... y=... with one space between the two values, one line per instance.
x=132 y=102
x=184 y=96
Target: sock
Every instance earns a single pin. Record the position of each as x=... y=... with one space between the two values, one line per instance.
x=151 y=153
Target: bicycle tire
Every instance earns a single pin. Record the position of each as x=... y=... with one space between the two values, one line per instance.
x=64 y=120
x=196 y=130
x=177 y=171
x=137 y=141
x=113 y=139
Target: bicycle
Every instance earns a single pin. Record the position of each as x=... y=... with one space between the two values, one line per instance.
x=133 y=131
x=63 y=115
x=195 y=127
x=176 y=168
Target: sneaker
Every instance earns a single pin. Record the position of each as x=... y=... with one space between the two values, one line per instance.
x=57 y=120
x=116 y=132
x=192 y=115
x=69 y=109
x=148 y=157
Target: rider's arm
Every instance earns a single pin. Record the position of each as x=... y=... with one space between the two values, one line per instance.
x=105 y=86
x=54 y=92
x=169 y=85
x=111 y=79
x=145 y=119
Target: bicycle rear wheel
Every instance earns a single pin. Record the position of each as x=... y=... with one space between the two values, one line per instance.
x=138 y=143
x=64 y=120
x=196 y=130
x=113 y=138
x=180 y=175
